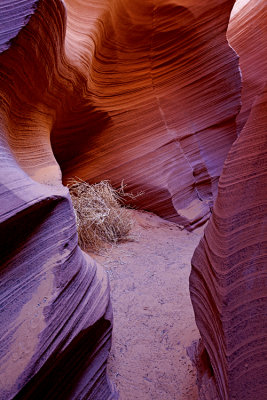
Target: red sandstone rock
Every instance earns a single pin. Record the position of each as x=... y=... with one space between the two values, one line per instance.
x=165 y=91
x=141 y=91
x=247 y=34
x=55 y=311
x=229 y=277
x=228 y=282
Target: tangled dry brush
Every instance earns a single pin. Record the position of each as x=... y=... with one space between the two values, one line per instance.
x=100 y=215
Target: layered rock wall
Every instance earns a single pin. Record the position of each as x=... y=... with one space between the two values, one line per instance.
x=55 y=311
x=147 y=92
x=165 y=88
x=247 y=33
x=228 y=282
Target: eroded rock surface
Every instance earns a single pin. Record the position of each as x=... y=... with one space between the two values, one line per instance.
x=247 y=33
x=228 y=282
x=141 y=91
x=164 y=91
x=229 y=277
x=56 y=316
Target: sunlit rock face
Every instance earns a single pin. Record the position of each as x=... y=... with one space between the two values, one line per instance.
x=159 y=105
x=145 y=92
x=228 y=282
x=247 y=34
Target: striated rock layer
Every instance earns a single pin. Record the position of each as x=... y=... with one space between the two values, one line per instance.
x=228 y=282
x=56 y=317
x=163 y=93
x=141 y=91
x=247 y=34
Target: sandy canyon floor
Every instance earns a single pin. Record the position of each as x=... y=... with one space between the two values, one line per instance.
x=153 y=316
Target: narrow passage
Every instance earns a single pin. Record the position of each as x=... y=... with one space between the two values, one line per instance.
x=153 y=316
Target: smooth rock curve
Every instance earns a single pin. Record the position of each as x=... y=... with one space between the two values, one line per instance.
x=56 y=317
x=228 y=282
x=165 y=91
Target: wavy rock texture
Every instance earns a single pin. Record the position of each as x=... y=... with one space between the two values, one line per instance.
x=229 y=270
x=247 y=34
x=228 y=282
x=165 y=90
x=55 y=311
x=141 y=91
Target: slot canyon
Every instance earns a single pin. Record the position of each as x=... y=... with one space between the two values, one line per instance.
x=170 y=98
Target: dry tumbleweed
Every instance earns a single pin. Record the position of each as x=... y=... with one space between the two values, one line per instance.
x=100 y=215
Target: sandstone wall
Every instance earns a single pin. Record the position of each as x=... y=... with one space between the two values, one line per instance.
x=228 y=282
x=56 y=317
x=247 y=33
x=165 y=91
x=145 y=92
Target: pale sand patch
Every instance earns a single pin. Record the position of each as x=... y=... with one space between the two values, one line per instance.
x=153 y=316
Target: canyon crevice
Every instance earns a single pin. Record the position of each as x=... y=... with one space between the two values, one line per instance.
x=148 y=93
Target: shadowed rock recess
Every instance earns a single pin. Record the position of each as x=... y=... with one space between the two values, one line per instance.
x=147 y=92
